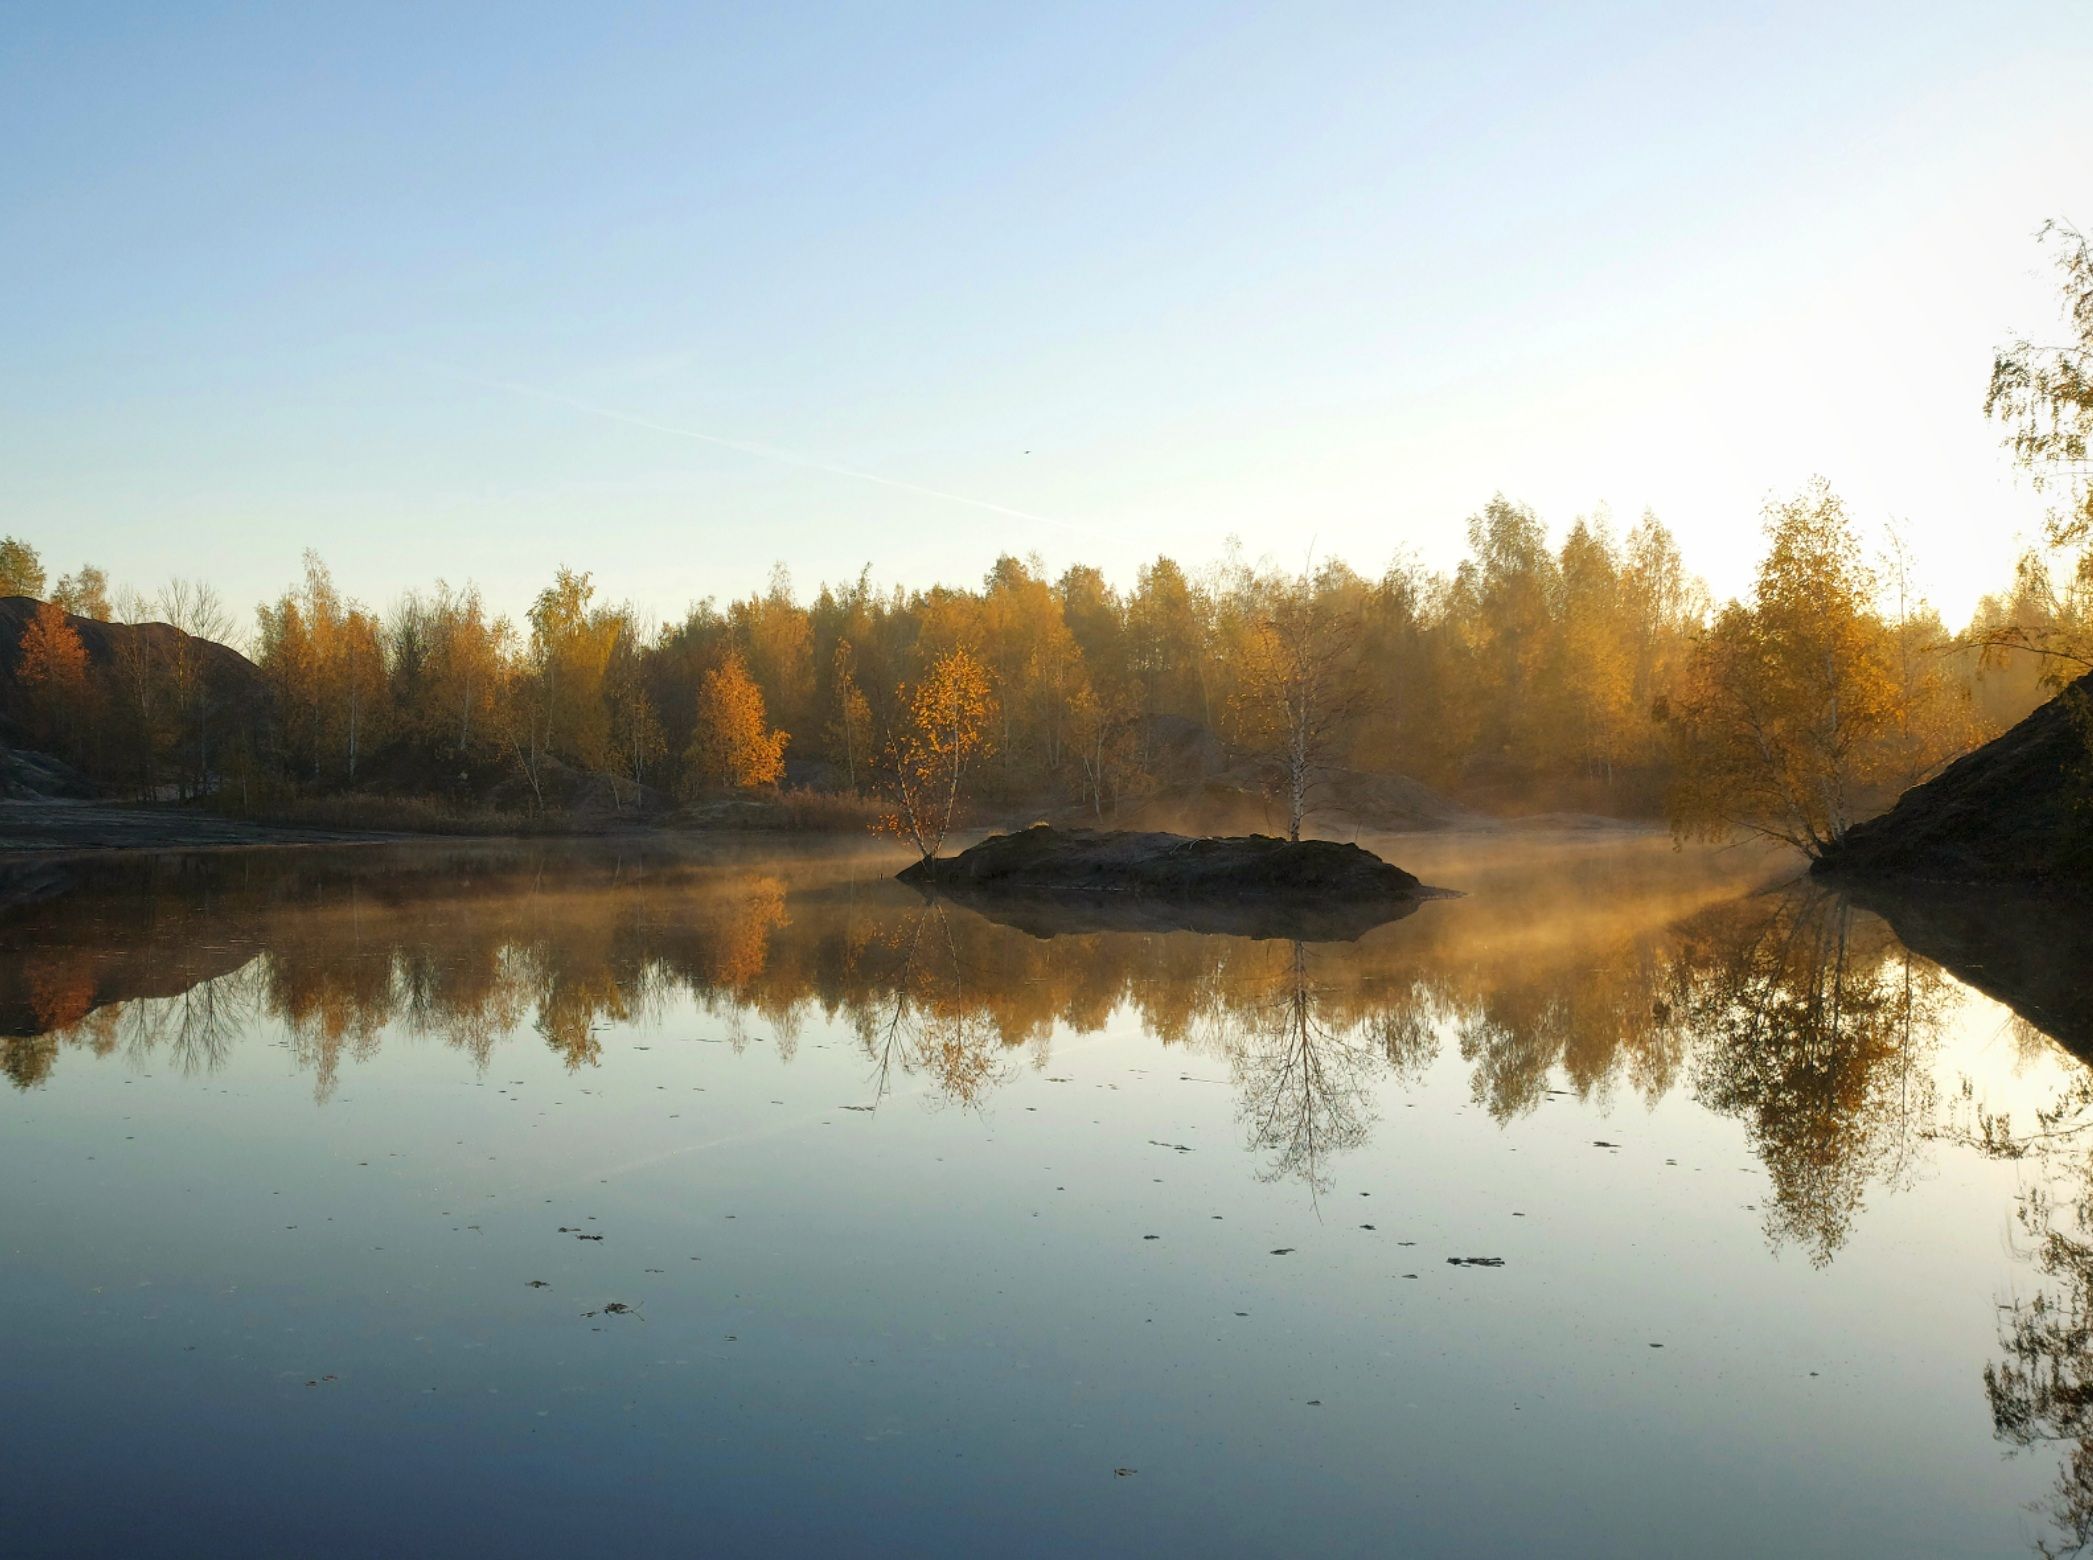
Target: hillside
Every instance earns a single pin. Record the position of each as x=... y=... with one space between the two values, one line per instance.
x=2019 y=809
x=235 y=693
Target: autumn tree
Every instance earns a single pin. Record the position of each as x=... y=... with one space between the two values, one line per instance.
x=777 y=647
x=462 y=668
x=1299 y=687
x=851 y=729
x=1594 y=665
x=1170 y=631
x=84 y=593
x=1786 y=722
x=324 y=656
x=21 y=570
x=51 y=666
x=733 y=744
x=2044 y=396
x=569 y=653
x=951 y=713
x=193 y=608
x=1036 y=666
x=635 y=729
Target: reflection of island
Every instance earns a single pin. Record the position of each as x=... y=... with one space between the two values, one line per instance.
x=1074 y=913
x=1794 y=1011
x=2031 y=951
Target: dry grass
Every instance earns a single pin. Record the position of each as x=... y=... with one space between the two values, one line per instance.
x=406 y=815
x=831 y=811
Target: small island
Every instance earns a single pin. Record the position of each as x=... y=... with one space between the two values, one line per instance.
x=1043 y=859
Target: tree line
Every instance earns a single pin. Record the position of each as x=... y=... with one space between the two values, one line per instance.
x=1592 y=672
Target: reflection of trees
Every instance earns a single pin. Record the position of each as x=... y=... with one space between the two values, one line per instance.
x=1305 y=1086
x=2040 y=1391
x=927 y=1025
x=1800 y=1016
x=1812 y=1025
x=472 y=948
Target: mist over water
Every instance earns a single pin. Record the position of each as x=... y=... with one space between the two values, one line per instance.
x=585 y=1198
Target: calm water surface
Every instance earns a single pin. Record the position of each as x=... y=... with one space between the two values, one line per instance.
x=595 y=1201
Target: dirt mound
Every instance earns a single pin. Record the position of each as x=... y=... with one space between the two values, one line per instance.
x=1121 y=861
x=2019 y=809
x=236 y=683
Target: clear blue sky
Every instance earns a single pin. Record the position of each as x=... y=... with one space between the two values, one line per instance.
x=368 y=278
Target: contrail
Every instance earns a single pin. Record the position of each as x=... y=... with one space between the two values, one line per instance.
x=760 y=451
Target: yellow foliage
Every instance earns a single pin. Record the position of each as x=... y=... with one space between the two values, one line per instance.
x=926 y=764
x=733 y=744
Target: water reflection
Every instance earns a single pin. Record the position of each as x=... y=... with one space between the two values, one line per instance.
x=2040 y=1389
x=1814 y=1026
x=1305 y=1084
x=1813 y=1020
x=1793 y=1010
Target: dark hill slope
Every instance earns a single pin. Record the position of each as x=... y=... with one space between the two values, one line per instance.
x=107 y=643
x=237 y=697
x=2019 y=809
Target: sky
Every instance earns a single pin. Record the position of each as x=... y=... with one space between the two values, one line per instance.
x=677 y=293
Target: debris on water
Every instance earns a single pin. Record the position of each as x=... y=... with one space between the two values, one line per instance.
x=1475 y=1262
x=616 y=1308
x=866 y=1108
x=1315 y=1403
x=1124 y=1473
x=588 y=1237
x=537 y=1283
x=1282 y=1251
x=1602 y=1143
x=1177 y=1148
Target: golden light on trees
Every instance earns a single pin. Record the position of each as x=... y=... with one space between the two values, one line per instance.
x=851 y=729
x=926 y=764
x=734 y=744
x=51 y=663
x=21 y=570
x=84 y=593
x=1568 y=670
x=1786 y=724
x=1299 y=688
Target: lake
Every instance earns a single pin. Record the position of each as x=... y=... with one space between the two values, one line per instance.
x=735 y=1199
